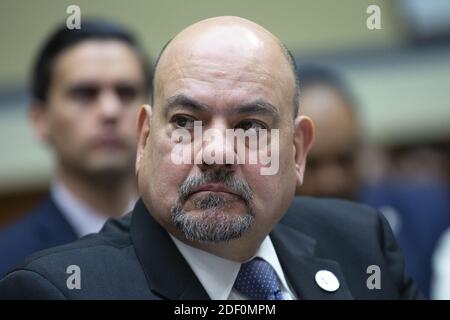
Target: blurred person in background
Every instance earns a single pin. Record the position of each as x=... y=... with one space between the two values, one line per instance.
x=417 y=210
x=415 y=198
x=87 y=85
x=331 y=163
x=440 y=286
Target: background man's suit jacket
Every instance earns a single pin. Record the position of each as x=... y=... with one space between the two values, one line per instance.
x=43 y=228
x=419 y=214
x=134 y=258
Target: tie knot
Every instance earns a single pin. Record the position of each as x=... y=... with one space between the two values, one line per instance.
x=258 y=281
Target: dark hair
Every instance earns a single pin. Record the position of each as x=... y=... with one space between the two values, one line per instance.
x=63 y=38
x=288 y=55
x=291 y=60
x=152 y=85
x=315 y=75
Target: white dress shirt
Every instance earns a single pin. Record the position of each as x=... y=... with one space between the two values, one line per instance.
x=81 y=217
x=217 y=275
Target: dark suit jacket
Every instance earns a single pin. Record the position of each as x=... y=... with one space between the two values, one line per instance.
x=43 y=228
x=134 y=258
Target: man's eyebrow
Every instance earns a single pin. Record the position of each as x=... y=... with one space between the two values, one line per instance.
x=254 y=107
x=258 y=106
x=181 y=100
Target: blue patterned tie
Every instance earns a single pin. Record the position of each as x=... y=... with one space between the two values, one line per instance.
x=257 y=280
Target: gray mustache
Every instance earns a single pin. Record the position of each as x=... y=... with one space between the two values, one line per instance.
x=237 y=185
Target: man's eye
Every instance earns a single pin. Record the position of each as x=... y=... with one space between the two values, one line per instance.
x=127 y=93
x=250 y=125
x=84 y=94
x=183 y=122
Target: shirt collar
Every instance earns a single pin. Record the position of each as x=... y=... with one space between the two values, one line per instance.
x=83 y=218
x=267 y=252
x=207 y=267
x=217 y=275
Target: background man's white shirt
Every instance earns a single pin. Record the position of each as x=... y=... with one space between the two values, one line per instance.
x=83 y=219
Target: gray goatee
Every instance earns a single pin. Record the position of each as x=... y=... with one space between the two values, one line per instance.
x=213 y=224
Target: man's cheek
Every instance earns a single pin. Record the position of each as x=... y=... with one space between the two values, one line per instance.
x=170 y=173
x=169 y=177
x=261 y=185
x=60 y=134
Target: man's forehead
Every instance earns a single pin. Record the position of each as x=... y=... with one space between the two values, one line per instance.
x=224 y=47
x=226 y=73
x=219 y=88
x=234 y=39
x=224 y=60
x=96 y=60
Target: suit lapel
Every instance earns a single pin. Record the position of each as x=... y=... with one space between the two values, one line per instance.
x=167 y=272
x=295 y=251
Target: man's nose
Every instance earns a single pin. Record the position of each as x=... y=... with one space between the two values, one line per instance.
x=109 y=105
x=217 y=152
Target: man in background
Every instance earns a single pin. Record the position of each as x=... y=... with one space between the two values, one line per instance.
x=87 y=86
x=417 y=212
x=331 y=163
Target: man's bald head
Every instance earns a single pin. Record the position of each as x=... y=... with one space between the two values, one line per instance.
x=236 y=22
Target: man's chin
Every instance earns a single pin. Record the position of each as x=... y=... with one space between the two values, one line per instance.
x=107 y=170
x=212 y=225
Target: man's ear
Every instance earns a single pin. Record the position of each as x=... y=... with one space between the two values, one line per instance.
x=143 y=131
x=303 y=139
x=38 y=116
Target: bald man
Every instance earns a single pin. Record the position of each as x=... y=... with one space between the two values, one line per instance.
x=220 y=153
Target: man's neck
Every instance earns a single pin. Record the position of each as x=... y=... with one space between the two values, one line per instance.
x=111 y=198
